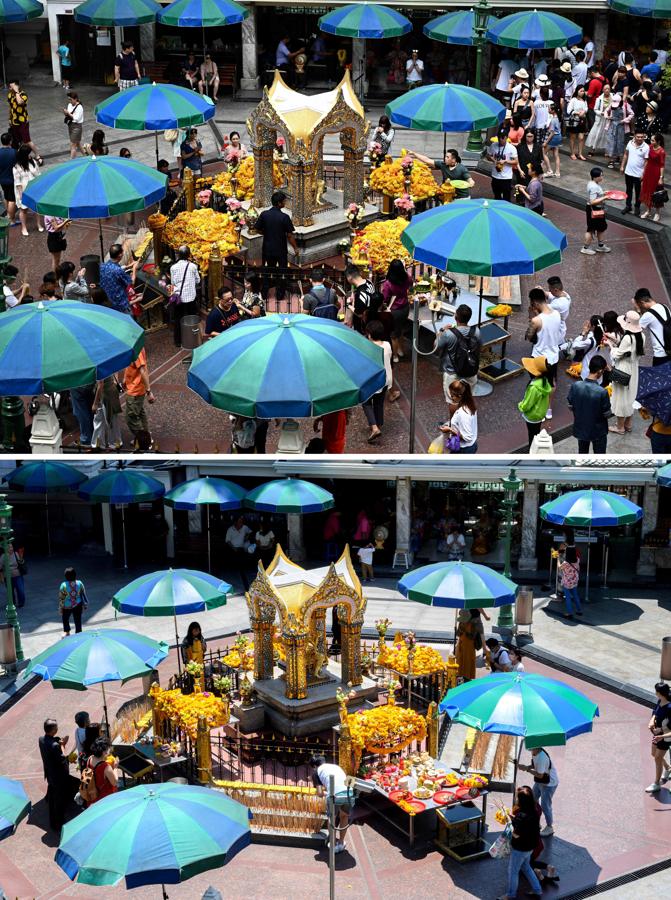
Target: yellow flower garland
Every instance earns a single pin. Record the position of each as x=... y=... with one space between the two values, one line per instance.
x=245 y=178
x=184 y=710
x=379 y=243
x=199 y=230
x=389 y=178
x=426 y=660
x=385 y=729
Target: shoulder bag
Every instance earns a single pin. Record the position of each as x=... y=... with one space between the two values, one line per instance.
x=176 y=296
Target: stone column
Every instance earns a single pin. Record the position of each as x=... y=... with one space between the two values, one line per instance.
x=296 y=683
x=250 y=66
x=295 y=535
x=263 y=648
x=194 y=516
x=403 y=513
x=147 y=41
x=263 y=175
x=600 y=36
x=350 y=639
x=528 y=561
x=359 y=67
x=646 y=564
x=54 y=43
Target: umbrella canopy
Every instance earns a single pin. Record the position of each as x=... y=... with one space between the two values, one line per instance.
x=654 y=391
x=591 y=507
x=445 y=107
x=205 y=491
x=656 y=9
x=289 y=495
x=287 y=366
x=95 y=188
x=121 y=486
x=484 y=237
x=14 y=805
x=155 y=107
x=172 y=592
x=544 y=711
x=92 y=657
x=534 y=30
x=664 y=476
x=117 y=12
x=202 y=13
x=458 y=585
x=455 y=27
x=58 y=344
x=365 y=20
x=39 y=477
x=19 y=10
x=153 y=834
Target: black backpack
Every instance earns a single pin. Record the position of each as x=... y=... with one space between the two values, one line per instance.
x=465 y=355
x=666 y=329
x=326 y=308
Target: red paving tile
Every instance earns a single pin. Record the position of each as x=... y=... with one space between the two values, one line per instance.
x=606 y=824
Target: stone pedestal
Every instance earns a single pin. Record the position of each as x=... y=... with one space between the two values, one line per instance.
x=316 y=712
x=47 y=435
x=528 y=561
x=252 y=718
x=250 y=66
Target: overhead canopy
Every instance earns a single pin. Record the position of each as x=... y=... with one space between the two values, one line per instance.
x=302 y=113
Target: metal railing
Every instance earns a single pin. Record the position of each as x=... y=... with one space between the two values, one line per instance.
x=266 y=760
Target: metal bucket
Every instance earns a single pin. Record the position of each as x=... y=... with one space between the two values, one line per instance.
x=524 y=606
x=190 y=332
x=7 y=645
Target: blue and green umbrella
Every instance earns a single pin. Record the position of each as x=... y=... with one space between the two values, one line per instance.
x=457 y=585
x=173 y=592
x=54 y=345
x=122 y=486
x=664 y=476
x=206 y=492
x=655 y=9
x=42 y=477
x=593 y=509
x=544 y=711
x=117 y=12
x=289 y=495
x=202 y=13
x=96 y=656
x=534 y=30
x=446 y=107
x=455 y=27
x=287 y=366
x=14 y=805
x=153 y=834
x=365 y=20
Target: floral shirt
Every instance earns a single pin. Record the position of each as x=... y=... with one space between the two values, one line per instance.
x=71 y=594
x=114 y=281
x=18 y=112
x=570 y=574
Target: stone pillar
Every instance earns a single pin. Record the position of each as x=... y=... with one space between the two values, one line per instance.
x=147 y=41
x=263 y=648
x=646 y=564
x=296 y=683
x=353 y=175
x=54 y=43
x=359 y=67
x=250 y=65
x=108 y=531
x=528 y=561
x=295 y=535
x=600 y=36
x=350 y=639
x=403 y=513
x=194 y=516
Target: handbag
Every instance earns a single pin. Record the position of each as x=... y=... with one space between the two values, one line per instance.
x=620 y=377
x=660 y=197
x=175 y=297
x=502 y=845
x=598 y=213
x=573 y=121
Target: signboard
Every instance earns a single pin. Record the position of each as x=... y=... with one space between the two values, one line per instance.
x=104 y=37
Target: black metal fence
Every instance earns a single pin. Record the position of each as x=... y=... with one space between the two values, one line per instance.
x=266 y=760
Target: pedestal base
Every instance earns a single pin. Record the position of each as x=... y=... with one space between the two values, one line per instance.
x=251 y=718
x=318 y=711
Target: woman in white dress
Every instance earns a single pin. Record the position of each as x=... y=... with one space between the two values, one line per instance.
x=25 y=169
x=626 y=357
x=596 y=139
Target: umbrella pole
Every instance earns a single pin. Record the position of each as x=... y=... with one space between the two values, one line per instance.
x=456 y=618
x=156 y=141
x=107 y=721
x=444 y=145
x=2 y=46
x=46 y=503
x=481 y=292
x=413 y=388
x=518 y=753
x=123 y=534
x=589 y=550
x=179 y=660
x=209 y=546
x=100 y=235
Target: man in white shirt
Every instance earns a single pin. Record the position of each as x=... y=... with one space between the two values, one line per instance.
x=498 y=656
x=560 y=300
x=579 y=72
x=504 y=156
x=590 y=51
x=10 y=298
x=237 y=543
x=653 y=316
x=414 y=70
x=545 y=332
x=184 y=278
x=503 y=75
x=662 y=57
x=546 y=782
x=343 y=798
x=633 y=164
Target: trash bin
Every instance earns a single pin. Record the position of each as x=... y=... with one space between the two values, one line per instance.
x=665 y=662
x=524 y=608
x=7 y=645
x=91 y=262
x=190 y=332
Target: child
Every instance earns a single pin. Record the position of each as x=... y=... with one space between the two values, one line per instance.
x=366 y=559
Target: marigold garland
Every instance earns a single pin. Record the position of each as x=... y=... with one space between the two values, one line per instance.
x=199 y=230
x=379 y=243
x=385 y=729
x=244 y=175
x=184 y=710
x=389 y=178
x=426 y=660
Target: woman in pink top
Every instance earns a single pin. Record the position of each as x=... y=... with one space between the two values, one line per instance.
x=395 y=292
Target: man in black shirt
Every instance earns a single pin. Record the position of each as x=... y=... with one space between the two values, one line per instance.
x=277 y=229
x=223 y=315
x=126 y=68
x=590 y=405
x=56 y=771
x=362 y=291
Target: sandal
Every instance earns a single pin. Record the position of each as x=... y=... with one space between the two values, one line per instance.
x=374 y=437
x=616 y=430
x=573 y=156
x=393 y=396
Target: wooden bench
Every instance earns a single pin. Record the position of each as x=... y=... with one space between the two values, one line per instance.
x=228 y=77
x=156 y=72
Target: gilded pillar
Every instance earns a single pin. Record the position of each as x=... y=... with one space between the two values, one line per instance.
x=263 y=648
x=346 y=751
x=353 y=175
x=302 y=187
x=157 y=223
x=350 y=639
x=296 y=644
x=318 y=629
x=156 y=719
x=215 y=274
x=203 y=752
x=263 y=145
x=432 y=730
x=189 y=183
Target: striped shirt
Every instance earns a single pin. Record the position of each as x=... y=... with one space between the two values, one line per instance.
x=186 y=271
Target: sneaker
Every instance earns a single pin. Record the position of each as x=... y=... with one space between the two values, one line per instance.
x=645 y=214
x=548 y=414
x=626 y=210
x=588 y=251
x=603 y=248
x=547 y=831
x=665 y=777
x=651 y=789
x=656 y=217
x=339 y=847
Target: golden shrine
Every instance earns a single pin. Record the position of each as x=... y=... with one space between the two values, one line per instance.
x=303 y=121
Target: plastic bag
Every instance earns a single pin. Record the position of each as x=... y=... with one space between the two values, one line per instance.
x=501 y=846
x=437 y=445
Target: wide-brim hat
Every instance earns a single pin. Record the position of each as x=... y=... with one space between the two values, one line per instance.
x=535 y=365
x=521 y=73
x=630 y=321
x=541 y=81
x=565 y=67
x=652 y=105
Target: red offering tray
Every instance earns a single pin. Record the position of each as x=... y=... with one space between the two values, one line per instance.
x=395 y=796
x=417 y=805
x=442 y=797
x=464 y=793
x=615 y=195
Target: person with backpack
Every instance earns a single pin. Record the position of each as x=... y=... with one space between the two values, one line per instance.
x=459 y=347
x=320 y=301
x=656 y=320
x=534 y=404
x=98 y=778
x=545 y=332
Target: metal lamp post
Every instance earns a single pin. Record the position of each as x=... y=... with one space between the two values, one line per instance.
x=11 y=408
x=6 y=535
x=481 y=18
x=511 y=486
